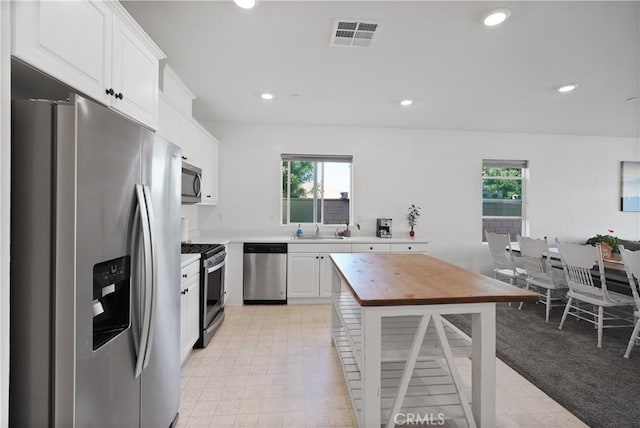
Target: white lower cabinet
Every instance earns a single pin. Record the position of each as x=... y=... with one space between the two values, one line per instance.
x=419 y=247
x=303 y=276
x=309 y=269
x=371 y=248
x=189 y=308
x=326 y=270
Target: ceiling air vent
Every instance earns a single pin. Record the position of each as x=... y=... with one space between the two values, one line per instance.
x=353 y=33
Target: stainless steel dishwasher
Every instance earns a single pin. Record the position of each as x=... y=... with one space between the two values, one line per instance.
x=265 y=273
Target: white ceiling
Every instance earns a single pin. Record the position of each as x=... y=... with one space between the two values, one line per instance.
x=461 y=74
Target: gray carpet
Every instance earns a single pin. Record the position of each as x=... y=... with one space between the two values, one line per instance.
x=599 y=386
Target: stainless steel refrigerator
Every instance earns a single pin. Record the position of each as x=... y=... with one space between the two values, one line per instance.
x=95 y=269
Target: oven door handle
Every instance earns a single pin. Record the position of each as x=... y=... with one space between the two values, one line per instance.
x=216 y=267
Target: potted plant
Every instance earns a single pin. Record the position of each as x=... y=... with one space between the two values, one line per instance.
x=346 y=232
x=412 y=217
x=608 y=243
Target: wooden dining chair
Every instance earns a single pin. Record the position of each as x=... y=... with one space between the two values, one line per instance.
x=577 y=263
x=541 y=277
x=504 y=266
x=631 y=260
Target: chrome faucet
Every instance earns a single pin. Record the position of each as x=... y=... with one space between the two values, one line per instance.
x=317 y=230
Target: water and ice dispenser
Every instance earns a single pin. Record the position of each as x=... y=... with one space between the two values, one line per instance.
x=111 y=299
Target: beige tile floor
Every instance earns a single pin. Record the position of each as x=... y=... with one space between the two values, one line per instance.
x=274 y=366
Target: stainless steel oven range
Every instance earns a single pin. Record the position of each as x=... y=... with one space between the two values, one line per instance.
x=212 y=262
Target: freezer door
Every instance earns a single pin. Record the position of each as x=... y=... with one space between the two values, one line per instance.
x=108 y=168
x=32 y=209
x=161 y=171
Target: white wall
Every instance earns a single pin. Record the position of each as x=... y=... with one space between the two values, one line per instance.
x=190 y=214
x=573 y=191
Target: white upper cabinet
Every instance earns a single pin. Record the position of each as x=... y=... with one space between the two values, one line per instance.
x=70 y=41
x=199 y=147
x=163 y=118
x=94 y=47
x=134 y=76
x=189 y=140
x=209 y=170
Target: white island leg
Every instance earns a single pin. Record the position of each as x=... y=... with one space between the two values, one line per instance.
x=483 y=365
x=372 y=338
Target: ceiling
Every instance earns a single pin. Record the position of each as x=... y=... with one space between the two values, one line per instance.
x=461 y=74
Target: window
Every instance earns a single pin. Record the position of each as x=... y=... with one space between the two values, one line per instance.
x=503 y=197
x=316 y=189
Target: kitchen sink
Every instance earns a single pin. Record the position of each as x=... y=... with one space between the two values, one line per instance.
x=316 y=237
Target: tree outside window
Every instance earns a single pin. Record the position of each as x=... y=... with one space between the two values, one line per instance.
x=316 y=189
x=502 y=197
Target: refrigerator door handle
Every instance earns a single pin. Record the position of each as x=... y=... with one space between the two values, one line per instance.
x=135 y=327
x=148 y=277
x=154 y=276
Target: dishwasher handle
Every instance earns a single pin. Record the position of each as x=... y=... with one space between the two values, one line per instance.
x=265 y=248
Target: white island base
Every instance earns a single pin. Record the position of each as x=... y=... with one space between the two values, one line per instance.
x=398 y=359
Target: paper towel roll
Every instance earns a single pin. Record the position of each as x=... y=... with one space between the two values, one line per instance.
x=184 y=229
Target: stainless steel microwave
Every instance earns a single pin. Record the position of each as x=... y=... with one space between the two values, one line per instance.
x=191 y=184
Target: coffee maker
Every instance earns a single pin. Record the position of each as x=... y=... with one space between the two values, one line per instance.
x=383 y=228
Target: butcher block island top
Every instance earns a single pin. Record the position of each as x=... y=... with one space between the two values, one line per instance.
x=419 y=279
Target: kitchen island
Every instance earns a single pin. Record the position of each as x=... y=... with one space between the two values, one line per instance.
x=396 y=350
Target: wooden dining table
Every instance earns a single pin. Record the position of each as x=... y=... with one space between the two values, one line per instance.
x=388 y=328
x=614 y=270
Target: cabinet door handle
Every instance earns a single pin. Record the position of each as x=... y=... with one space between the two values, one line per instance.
x=322 y=257
x=371 y=248
x=119 y=95
x=184 y=158
x=110 y=91
x=317 y=257
x=409 y=247
x=208 y=196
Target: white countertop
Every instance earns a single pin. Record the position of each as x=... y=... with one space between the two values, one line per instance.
x=226 y=237
x=187 y=259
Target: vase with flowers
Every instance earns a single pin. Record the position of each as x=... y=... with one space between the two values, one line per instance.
x=412 y=218
x=608 y=243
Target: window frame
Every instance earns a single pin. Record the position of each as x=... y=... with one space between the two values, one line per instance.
x=523 y=165
x=318 y=193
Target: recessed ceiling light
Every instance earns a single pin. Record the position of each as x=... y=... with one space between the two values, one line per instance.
x=496 y=17
x=406 y=103
x=266 y=96
x=567 y=88
x=245 y=4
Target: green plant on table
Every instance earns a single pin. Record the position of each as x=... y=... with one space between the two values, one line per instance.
x=610 y=240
